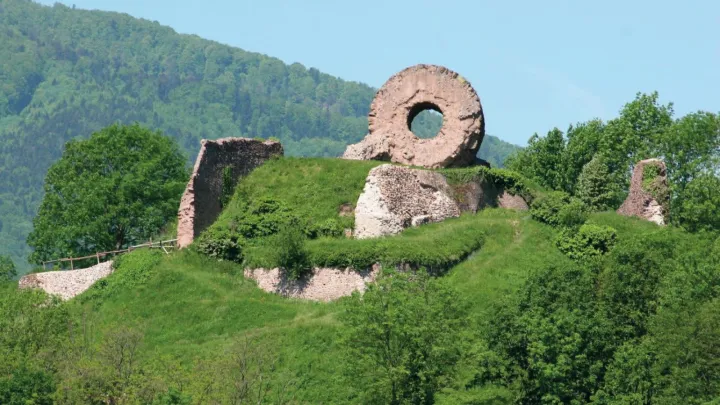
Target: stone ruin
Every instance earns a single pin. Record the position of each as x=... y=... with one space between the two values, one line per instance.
x=401 y=99
x=397 y=197
x=201 y=203
x=650 y=204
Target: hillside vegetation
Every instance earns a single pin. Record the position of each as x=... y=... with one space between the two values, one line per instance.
x=74 y=72
x=554 y=305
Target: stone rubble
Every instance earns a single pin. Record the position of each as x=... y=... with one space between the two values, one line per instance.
x=67 y=283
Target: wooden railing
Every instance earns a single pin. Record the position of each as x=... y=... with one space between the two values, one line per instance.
x=163 y=244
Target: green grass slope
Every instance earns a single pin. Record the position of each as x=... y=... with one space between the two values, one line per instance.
x=191 y=308
x=193 y=311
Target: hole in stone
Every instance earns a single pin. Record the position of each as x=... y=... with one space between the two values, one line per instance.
x=425 y=120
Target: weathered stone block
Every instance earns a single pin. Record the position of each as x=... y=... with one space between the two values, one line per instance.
x=402 y=98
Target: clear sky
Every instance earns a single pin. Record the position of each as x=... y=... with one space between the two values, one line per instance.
x=535 y=64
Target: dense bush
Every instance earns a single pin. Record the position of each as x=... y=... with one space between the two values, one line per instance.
x=290 y=252
x=588 y=242
x=222 y=244
x=403 y=338
x=24 y=386
x=559 y=209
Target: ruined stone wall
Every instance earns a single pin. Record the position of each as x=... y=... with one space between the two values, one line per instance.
x=322 y=284
x=201 y=203
x=640 y=202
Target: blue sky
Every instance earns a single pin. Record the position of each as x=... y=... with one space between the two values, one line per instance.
x=535 y=65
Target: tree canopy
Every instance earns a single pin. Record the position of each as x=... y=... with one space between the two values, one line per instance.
x=116 y=188
x=594 y=159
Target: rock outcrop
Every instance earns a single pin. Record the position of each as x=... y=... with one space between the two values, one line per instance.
x=219 y=162
x=402 y=98
x=649 y=192
x=395 y=197
x=398 y=197
x=323 y=284
x=66 y=283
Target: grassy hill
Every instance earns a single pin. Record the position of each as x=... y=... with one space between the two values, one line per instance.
x=570 y=311
x=73 y=72
x=191 y=309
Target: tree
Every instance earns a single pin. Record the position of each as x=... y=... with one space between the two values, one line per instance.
x=595 y=187
x=404 y=338
x=699 y=207
x=7 y=268
x=107 y=192
x=542 y=161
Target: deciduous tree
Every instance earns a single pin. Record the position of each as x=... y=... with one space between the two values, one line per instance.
x=114 y=189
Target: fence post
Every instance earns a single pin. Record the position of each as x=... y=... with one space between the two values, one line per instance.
x=97 y=255
x=71 y=264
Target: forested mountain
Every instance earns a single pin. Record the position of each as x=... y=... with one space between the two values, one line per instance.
x=66 y=73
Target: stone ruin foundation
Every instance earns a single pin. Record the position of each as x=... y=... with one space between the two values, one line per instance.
x=201 y=203
x=398 y=197
x=640 y=202
x=401 y=99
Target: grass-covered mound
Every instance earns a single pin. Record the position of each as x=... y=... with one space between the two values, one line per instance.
x=193 y=313
x=293 y=213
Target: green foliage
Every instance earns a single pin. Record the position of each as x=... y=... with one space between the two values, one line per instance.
x=595 y=187
x=552 y=342
x=27 y=386
x=436 y=246
x=222 y=244
x=698 y=210
x=501 y=178
x=542 y=160
x=309 y=190
x=130 y=271
x=651 y=183
x=590 y=241
x=403 y=338
x=559 y=209
x=645 y=128
x=108 y=192
x=227 y=186
x=7 y=268
x=290 y=251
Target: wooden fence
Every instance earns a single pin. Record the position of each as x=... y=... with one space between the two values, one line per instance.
x=163 y=244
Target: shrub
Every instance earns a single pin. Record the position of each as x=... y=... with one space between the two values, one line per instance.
x=330 y=228
x=558 y=209
x=651 y=183
x=222 y=244
x=290 y=251
x=26 y=386
x=590 y=241
x=7 y=268
x=264 y=216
